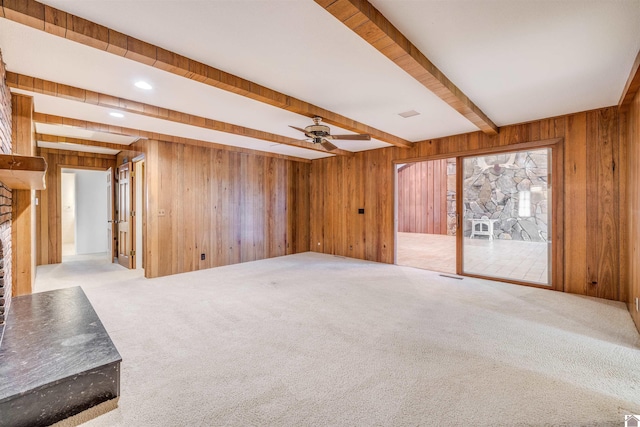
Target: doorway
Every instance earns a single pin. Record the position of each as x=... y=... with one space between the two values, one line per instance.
x=68 y=213
x=503 y=205
x=83 y=213
x=426 y=215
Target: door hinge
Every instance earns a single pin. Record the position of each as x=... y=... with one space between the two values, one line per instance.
x=133 y=174
x=132 y=253
x=133 y=213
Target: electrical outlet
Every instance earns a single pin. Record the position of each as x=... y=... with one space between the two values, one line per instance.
x=161 y=212
x=202 y=256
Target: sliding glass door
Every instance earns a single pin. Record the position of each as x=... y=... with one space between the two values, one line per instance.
x=506 y=211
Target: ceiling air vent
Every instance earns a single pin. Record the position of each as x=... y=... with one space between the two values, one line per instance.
x=408 y=114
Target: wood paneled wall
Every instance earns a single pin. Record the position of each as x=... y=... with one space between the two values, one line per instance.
x=422 y=197
x=233 y=207
x=49 y=211
x=633 y=206
x=24 y=219
x=592 y=194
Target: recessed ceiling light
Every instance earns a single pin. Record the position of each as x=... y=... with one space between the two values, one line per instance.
x=408 y=114
x=143 y=85
x=118 y=115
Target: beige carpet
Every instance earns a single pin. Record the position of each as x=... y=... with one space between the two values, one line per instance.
x=317 y=340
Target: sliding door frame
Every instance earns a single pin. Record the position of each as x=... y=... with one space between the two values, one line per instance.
x=557 y=208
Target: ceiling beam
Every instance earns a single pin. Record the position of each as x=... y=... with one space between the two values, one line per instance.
x=66 y=25
x=632 y=86
x=45 y=87
x=118 y=130
x=366 y=21
x=78 y=141
x=43 y=150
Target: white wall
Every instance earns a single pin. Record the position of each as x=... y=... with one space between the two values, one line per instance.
x=68 y=207
x=91 y=211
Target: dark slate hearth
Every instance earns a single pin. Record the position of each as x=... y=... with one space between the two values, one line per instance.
x=56 y=359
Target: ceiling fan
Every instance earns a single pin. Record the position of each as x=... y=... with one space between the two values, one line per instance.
x=321 y=134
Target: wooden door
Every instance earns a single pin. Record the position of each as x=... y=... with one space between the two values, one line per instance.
x=111 y=238
x=125 y=220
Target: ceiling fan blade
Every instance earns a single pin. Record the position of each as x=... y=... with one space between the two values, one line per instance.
x=327 y=145
x=301 y=130
x=356 y=137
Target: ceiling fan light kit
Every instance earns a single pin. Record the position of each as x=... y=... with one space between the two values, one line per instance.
x=321 y=134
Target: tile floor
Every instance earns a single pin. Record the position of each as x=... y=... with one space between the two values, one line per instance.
x=434 y=252
x=508 y=259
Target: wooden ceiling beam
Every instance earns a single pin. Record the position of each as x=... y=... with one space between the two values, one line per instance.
x=118 y=130
x=62 y=24
x=45 y=87
x=632 y=86
x=366 y=21
x=79 y=141
x=45 y=150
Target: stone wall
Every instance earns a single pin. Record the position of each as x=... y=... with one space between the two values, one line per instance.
x=511 y=189
x=5 y=198
x=451 y=197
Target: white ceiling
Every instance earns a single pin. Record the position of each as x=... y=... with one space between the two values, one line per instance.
x=52 y=105
x=517 y=60
x=523 y=60
x=74 y=147
x=74 y=132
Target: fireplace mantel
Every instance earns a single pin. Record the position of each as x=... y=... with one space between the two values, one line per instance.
x=23 y=172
